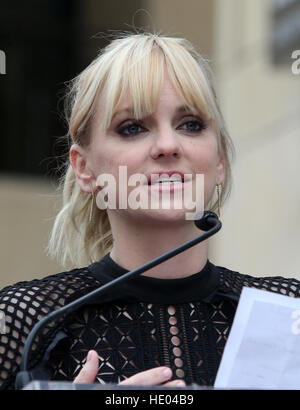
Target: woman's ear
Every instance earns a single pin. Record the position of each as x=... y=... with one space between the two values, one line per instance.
x=79 y=163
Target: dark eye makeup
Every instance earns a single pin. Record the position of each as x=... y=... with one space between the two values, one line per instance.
x=133 y=127
x=193 y=125
x=130 y=128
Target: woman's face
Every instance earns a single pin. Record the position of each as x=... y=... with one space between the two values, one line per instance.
x=172 y=140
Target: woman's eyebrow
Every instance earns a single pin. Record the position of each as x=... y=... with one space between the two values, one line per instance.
x=185 y=109
x=129 y=111
x=122 y=111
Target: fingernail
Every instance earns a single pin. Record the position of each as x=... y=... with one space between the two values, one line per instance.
x=180 y=384
x=89 y=356
x=167 y=372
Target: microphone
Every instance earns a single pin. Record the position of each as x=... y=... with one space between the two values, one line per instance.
x=209 y=223
x=209 y=219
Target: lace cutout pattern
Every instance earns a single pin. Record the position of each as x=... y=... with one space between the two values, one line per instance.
x=126 y=339
x=176 y=342
x=116 y=333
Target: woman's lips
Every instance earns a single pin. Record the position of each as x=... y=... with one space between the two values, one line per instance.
x=168 y=181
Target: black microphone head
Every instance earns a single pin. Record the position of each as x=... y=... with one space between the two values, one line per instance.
x=207 y=221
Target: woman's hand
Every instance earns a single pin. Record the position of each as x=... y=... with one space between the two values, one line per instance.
x=89 y=371
x=155 y=376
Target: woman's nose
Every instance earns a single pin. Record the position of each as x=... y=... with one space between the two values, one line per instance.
x=166 y=144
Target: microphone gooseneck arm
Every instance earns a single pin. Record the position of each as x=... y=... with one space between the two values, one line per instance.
x=209 y=223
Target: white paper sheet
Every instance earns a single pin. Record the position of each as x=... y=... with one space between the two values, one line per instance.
x=263 y=348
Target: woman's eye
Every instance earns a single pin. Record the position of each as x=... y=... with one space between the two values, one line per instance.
x=130 y=129
x=193 y=126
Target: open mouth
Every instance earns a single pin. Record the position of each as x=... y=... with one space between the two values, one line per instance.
x=167 y=180
x=167 y=183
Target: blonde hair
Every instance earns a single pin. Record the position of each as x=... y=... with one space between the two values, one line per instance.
x=133 y=64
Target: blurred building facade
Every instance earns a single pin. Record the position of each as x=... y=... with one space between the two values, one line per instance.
x=260 y=97
x=249 y=46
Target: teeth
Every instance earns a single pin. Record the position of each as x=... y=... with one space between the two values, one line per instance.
x=169 y=182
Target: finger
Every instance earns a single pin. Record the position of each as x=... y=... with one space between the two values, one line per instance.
x=89 y=371
x=150 y=377
x=175 y=383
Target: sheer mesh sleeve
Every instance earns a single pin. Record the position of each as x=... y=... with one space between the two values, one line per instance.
x=24 y=304
x=232 y=283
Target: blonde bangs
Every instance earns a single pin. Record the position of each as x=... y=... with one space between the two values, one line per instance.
x=137 y=72
x=189 y=80
x=133 y=69
x=136 y=76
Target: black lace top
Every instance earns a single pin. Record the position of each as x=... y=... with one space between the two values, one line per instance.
x=144 y=323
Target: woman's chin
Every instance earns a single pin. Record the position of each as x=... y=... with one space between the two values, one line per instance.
x=160 y=216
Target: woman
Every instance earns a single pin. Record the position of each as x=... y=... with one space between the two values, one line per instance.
x=147 y=105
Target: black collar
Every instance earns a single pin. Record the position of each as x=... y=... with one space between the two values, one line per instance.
x=199 y=286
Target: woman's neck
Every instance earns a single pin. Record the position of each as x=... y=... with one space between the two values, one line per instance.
x=135 y=246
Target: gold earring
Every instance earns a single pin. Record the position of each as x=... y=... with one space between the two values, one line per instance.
x=92 y=204
x=219 y=199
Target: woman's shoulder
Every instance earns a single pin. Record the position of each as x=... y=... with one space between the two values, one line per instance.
x=29 y=301
x=52 y=290
x=232 y=282
x=23 y=304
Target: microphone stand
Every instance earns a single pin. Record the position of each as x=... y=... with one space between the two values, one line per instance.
x=209 y=223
